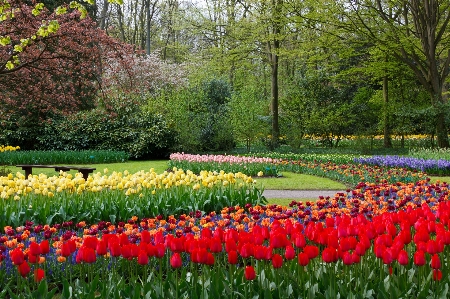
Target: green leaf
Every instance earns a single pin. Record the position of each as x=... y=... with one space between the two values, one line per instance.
x=6 y=40
x=443 y=293
x=67 y=290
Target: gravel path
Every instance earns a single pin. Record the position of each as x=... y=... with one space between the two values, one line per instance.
x=300 y=193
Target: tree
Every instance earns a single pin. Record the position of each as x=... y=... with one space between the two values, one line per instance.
x=247 y=109
x=55 y=73
x=413 y=32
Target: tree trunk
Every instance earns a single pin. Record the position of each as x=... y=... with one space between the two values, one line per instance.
x=274 y=91
x=441 y=129
x=147 y=40
x=121 y=29
x=273 y=55
x=103 y=14
x=387 y=130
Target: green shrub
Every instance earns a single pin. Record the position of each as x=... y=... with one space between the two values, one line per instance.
x=141 y=134
x=60 y=157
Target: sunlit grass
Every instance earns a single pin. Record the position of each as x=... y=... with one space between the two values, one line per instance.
x=297 y=181
x=132 y=166
x=287 y=201
x=440 y=178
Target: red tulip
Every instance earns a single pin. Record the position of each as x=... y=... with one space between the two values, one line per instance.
x=24 y=269
x=72 y=246
x=39 y=274
x=35 y=249
x=356 y=258
x=230 y=245
x=333 y=241
x=123 y=239
x=312 y=251
x=246 y=250
x=209 y=259
x=437 y=274
x=379 y=250
x=435 y=262
x=115 y=249
x=299 y=240
x=125 y=251
x=65 y=249
x=79 y=256
x=329 y=255
x=303 y=259
x=388 y=256
x=405 y=236
x=218 y=233
x=175 y=260
x=249 y=273
x=142 y=258
x=101 y=248
x=17 y=256
x=360 y=249
x=268 y=253
x=347 y=258
x=258 y=239
x=215 y=245
x=342 y=230
x=277 y=261
x=419 y=258
x=176 y=244
x=90 y=242
x=432 y=247
x=232 y=257
x=329 y=222
x=44 y=247
x=278 y=239
x=421 y=236
x=158 y=238
x=403 y=258
x=260 y=252
x=231 y=234
x=33 y=259
x=134 y=250
x=145 y=237
x=206 y=233
x=160 y=250
x=89 y=255
x=289 y=253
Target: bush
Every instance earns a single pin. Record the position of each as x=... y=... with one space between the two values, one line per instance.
x=141 y=134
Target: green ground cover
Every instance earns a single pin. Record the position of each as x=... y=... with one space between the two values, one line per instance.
x=298 y=181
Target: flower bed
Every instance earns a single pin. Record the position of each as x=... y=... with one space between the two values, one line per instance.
x=377 y=240
x=431 y=166
x=254 y=166
x=118 y=196
x=348 y=173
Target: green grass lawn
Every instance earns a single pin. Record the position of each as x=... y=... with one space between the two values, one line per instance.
x=440 y=178
x=287 y=201
x=296 y=181
x=132 y=166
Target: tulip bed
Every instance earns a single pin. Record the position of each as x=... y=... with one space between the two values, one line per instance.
x=118 y=196
x=432 y=166
x=373 y=241
x=336 y=167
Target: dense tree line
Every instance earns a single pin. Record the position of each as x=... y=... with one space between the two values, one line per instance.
x=275 y=71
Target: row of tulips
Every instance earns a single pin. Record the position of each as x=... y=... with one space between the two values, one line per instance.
x=249 y=251
x=432 y=166
x=254 y=166
x=349 y=173
x=118 y=196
